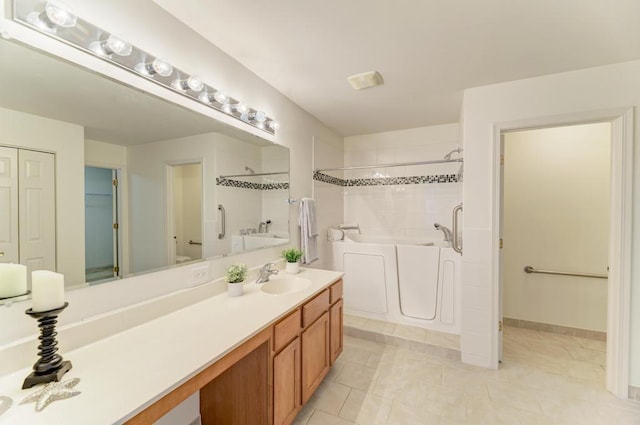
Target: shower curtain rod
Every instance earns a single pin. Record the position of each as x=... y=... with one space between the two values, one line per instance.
x=396 y=164
x=255 y=174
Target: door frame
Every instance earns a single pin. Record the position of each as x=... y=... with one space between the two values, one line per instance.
x=621 y=200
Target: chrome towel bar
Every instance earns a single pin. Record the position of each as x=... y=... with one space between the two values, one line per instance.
x=529 y=269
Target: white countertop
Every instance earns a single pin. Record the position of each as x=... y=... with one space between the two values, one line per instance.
x=123 y=374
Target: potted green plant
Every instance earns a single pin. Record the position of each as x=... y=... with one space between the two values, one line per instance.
x=292 y=255
x=236 y=274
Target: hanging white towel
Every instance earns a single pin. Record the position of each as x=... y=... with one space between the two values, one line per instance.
x=308 y=230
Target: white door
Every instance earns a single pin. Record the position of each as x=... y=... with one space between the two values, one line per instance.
x=9 y=205
x=37 y=210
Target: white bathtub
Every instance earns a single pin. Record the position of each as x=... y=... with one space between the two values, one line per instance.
x=407 y=281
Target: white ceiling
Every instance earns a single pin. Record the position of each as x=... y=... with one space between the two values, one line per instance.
x=427 y=50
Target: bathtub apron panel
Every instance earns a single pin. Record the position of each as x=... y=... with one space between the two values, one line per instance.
x=365 y=286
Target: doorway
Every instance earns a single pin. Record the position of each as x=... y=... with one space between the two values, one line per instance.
x=184 y=212
x=555 y=233
x=102 y=228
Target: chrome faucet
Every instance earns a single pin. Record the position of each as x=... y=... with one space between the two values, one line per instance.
x=266 y=272
x=448 y=236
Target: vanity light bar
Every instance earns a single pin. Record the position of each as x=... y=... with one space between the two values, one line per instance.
x=55 y=20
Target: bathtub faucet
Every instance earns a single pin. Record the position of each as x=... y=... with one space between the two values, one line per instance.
x=448 y=236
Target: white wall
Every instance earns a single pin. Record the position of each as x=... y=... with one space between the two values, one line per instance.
x=275 y=159
x=595 y=89
x=556 y=217
x=147 y=200
x=399 y=211
x=66 y=141
x=329 y=199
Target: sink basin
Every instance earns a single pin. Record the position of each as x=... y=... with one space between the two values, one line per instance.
x=285 y=285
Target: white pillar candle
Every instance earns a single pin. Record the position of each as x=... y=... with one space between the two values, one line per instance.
x=47 y=290
x=13 y=280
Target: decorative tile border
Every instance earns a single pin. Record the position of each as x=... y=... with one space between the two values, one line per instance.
x=386 y=181
x=555 y=329
x=249 y=185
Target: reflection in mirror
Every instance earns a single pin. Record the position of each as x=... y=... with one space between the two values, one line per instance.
x=100 y=181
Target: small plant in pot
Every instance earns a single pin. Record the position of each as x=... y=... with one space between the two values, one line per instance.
x=236 y=274
x=292 y=255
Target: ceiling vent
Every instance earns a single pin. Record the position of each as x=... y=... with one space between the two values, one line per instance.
x=365 y=80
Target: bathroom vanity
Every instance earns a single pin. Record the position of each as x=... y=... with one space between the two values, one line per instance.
x=254 y=359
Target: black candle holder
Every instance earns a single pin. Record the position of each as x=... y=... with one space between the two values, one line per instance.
x=50 y=367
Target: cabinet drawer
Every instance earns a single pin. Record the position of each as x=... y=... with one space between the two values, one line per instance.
x=336 y=291
x=286 y=330
x=314 y=308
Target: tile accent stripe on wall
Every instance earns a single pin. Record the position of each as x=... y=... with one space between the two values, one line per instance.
x=385 y=181
x=249 y=185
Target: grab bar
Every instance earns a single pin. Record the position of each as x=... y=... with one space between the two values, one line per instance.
x=455 y=244
x=350 y=227
x=195 y=243
x=529 y=269
x=223 y=221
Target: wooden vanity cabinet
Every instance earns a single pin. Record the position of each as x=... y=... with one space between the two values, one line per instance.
x=267 y=379
x=315 y=355
x=287 y=359
x=287 y=383
x=336 y=315
x=300 y=367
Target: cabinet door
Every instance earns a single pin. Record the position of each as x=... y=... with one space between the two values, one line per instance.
x=335 y=316
x=315 y=355
x=286 y=384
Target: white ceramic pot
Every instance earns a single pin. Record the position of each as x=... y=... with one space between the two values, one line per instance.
x=292 y=268
x=235 y=289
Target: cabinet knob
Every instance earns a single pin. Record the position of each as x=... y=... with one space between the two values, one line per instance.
x=1 y=253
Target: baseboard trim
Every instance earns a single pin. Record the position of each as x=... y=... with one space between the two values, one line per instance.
x=634 y=393
x=422 y=347
x=556 y=329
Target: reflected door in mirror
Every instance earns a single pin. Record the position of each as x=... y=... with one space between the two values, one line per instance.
x=27 y=220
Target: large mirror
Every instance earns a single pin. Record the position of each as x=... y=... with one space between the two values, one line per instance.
x=100 y=181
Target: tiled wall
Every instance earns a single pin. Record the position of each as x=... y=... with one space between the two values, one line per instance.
x=401 y=201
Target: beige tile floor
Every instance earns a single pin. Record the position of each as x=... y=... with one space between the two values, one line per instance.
x=544 y=379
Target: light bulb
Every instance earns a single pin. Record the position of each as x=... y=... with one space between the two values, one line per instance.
x=245 y=117
x=158 y=66
x=227 y=108
x=274 y=125
x=194 y=83
x=162 y=67
x=205 y=98
x=242 y=108
x=60 y=15
x=54 y=15
x=221 y=97
x=111 y=45
x=261 y=117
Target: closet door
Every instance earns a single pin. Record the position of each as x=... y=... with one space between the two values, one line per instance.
x=37 y=210
x=9 y=205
